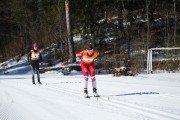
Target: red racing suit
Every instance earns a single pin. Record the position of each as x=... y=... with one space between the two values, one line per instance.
x=87 y=66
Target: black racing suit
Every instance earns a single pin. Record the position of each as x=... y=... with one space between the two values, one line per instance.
x=34 y=58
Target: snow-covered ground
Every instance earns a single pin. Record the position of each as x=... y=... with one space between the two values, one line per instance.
x=60 y=97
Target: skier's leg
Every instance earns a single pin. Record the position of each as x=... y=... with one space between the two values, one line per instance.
x=85 y=74
x=38 y=76
x=92 y=74
x=37 y=72
x=33 y=72
x=86 y=84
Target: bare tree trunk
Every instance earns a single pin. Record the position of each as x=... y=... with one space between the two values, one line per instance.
x=41 y=23
x=174 y=22
x=115 y=61
x=120 y=16
x=165 y=33
x=147 y=14
x=168 y=30
x=69 y=32
x=28 y=42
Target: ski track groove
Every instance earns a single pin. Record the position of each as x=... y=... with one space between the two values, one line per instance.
x=170 y=96
x=143 y=111
x=6 y=111
x=4 y=108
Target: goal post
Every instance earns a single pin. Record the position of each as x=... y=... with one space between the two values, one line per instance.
x=150 y=57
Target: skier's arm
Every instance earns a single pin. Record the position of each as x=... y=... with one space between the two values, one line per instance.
x=29 y=57
x=40 y=57
x=78 y=56
x=96 y=53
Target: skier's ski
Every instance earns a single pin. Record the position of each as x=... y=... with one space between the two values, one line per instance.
x=87 y=97
x=45 y=84
x=97 y=96
x=39 y=83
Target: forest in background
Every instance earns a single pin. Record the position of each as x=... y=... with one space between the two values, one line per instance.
x=116 y=28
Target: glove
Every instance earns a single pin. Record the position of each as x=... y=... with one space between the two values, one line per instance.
x=78 y=59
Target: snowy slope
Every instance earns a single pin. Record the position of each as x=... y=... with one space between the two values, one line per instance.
x=142 y=97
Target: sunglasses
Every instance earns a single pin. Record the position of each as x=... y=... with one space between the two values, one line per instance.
x=89 y=50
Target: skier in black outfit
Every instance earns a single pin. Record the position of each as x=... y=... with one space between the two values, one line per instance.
x=34 y=58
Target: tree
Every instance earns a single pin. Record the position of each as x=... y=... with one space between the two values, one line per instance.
x=69 y=32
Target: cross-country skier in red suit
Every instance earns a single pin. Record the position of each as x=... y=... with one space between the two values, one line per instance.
x=87 y=66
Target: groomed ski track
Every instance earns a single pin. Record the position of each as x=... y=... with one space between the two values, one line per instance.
x=65 y=88
x=142 y=111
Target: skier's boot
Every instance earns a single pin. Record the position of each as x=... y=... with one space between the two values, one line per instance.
x=33 y=82
x=86 y=94
x=39 y=82
x=95 y=93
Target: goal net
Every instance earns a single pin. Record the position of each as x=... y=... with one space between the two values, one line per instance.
x=163 y=60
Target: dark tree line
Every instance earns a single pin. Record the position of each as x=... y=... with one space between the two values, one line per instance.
x=117 y=26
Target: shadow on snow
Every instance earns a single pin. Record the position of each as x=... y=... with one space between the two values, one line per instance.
x=136 y=93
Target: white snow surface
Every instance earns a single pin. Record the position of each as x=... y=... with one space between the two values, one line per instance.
x=60 y=97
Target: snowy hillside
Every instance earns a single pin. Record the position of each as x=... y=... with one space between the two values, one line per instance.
x=60 y=97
